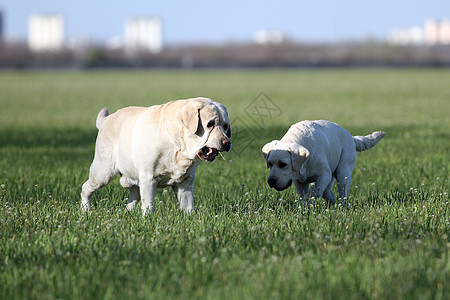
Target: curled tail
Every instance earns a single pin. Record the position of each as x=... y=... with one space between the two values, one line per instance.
x=101 y=117
x=364 y=143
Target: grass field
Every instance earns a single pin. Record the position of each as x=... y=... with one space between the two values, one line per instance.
x=244 y=240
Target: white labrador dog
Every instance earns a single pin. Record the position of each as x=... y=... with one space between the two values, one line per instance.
x=316 y=152
x=157 y=146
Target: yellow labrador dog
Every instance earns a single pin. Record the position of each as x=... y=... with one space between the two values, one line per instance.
x=316 y=152
x=157 y=146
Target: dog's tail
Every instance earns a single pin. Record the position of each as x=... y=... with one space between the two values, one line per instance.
x=364 y=143
x=101 y=117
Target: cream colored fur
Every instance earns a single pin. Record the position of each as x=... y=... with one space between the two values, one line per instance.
x=316 y=152
x=157 y=146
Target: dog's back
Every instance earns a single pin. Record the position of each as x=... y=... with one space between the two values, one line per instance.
x=325 y=134
x=320 y=137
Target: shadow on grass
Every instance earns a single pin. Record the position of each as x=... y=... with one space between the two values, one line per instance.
x=46 y=137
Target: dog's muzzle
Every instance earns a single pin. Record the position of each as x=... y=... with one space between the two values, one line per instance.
x=209 y=153
x=273 y=184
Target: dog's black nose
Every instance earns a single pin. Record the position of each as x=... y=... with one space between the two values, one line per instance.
x=226 y=144
x=272 y=182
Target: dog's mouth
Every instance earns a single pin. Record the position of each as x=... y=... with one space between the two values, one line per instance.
x=208 y=154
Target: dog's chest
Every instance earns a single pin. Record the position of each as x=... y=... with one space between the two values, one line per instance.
x=308 y=179
x=306 y=175
x=176 y=174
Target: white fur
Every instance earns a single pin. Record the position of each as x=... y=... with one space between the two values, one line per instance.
x=156 y=147
x=316 y=152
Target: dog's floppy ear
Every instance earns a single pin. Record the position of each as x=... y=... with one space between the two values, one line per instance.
x=228 y=133
x=267 y=148
x=299 y=154
x=224 y=115
x=190 y=115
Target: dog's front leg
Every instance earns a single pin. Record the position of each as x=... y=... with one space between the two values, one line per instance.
x=302 y=190
x=185 y=194
x=148 y=189
x=321 y=185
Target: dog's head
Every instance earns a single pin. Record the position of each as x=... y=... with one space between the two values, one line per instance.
x=207 y=127
x=284 y=161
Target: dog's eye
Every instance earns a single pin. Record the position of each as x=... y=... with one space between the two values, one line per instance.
x=211 y=123
x=270 y=165
x=282 y=165
x=225 y=126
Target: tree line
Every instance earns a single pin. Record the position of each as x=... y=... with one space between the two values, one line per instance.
x=232 y=55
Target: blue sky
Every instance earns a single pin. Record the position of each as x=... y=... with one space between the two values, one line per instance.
x=232 y=20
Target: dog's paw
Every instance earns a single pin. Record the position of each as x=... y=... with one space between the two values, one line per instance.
x=85 y=207
x=132 y=205
x=146 y=210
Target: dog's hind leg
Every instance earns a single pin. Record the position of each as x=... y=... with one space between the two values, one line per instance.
x=343 y=173
x=344 y=180
x=134 y=196
x=98 y=177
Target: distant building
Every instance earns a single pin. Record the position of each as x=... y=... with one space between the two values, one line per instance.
x=46 y=32
x=143 y=34
x=437 y=32
x=406 y=36
x=264 y=37
x=433 y=32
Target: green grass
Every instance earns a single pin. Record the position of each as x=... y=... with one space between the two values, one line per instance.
x=243 y=240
